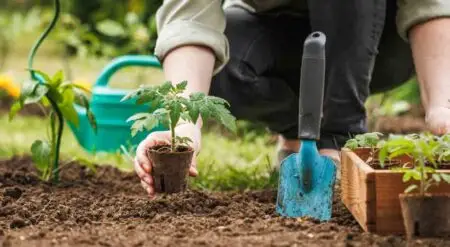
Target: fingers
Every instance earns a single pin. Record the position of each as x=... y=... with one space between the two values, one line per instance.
x=193 y=172
x=142 y=164
x=155 y=138
x=142 y=174
x=149 y=189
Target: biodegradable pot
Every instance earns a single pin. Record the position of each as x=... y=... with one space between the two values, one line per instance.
x=426 y=216
x=170 y=170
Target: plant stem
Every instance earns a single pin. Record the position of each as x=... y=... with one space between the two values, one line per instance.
x=172 y=130
x=58 y=140
x=422 y=177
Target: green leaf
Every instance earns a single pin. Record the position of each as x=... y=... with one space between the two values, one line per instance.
x=92 y=120
x=175 y=111
x=351 y=144
x=416 y=174
x=217 y=100
x=411 y=188
x=35 y=95
x=40 y=153
x=382 y=154
x=81 y=98
x=57 y=79
x=70 y=114
x=16 y=107
x=44 y=76
x=149 y=122
x=111 y=28
x=165 y=88
x=197 y=96
x=55 y=95
x=445 y=177
x=436 y=177
x=180 y=87
x=406 y=176
x=194 y=112
x=139 y=116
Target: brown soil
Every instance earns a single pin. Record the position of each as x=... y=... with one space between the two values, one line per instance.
x=109 y=208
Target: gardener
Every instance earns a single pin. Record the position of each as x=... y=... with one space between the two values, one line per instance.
x=249 y=53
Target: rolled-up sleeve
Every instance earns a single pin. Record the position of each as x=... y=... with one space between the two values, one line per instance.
x=192 y=22
x=413 y=12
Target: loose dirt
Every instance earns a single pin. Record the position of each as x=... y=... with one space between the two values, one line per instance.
x=109 y=208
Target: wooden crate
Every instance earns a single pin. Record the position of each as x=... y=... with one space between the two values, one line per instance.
x=372 y=195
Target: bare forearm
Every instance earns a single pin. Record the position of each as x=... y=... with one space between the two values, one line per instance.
x=194 y=64
x=430 y=44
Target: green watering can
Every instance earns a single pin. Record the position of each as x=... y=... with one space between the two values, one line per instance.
x=112 y=129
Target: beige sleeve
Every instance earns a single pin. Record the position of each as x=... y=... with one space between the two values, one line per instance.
x=413 y=12
x=192 y=22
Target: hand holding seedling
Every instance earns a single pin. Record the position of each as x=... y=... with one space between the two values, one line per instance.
x=180 y=114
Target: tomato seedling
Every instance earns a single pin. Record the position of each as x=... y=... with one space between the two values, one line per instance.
x=427 y=152
x=169 y=106
x=366 y=140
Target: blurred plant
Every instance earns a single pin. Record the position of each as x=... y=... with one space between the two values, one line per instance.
x=122 y=27
x=138 y=36
x=60 y=96
x=13 y=25
x=366 y=140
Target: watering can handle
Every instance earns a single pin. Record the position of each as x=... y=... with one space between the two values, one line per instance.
x=125 y=61
x=312 y=83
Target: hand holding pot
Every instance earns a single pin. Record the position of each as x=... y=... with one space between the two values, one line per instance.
x=143 y=165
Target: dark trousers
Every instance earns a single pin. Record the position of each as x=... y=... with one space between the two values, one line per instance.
x=364 y=55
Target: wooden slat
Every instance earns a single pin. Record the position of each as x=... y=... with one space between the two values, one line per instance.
x=357 y=189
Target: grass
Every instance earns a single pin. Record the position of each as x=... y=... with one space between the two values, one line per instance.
x=226 y=162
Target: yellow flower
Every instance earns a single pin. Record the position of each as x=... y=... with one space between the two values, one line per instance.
x=8 y=85
x=84 y=84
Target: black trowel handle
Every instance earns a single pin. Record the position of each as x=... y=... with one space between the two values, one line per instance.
x=312 y=82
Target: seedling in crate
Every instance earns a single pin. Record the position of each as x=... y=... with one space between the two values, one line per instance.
x=59 y=96
x=168 y=107
x=426 y=151
x=366 y=145
x=424 y=213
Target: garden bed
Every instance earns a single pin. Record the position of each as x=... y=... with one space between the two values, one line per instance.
x=109 y=208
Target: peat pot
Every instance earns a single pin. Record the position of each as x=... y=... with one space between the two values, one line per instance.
x=426 y=216
x=170 y=170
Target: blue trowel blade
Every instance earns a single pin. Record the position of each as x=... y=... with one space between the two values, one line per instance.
x=306 y=184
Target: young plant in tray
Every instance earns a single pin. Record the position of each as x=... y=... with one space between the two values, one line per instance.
x=427 y=153
x=365 y=145
x=59 y=96
x=169 y=107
